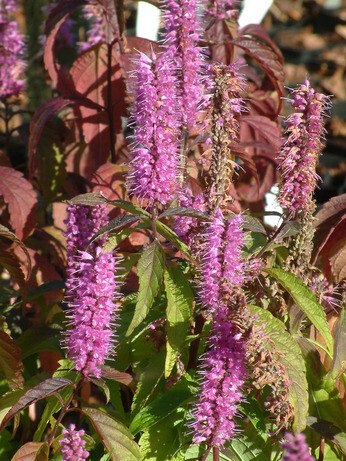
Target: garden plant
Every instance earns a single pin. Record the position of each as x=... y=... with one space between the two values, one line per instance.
x=148 y=309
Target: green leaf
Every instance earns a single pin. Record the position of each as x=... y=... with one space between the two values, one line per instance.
x=243 y=448
x=172 y=237
x=38 y=338
x=253 y=410
x=113 y=240
x=11 y=361
x=339 y=332
x=293 y=362
x=115 y=225
x=114 y=436
x=150 y=273
x=306 y=300
x=160 y=408
x=161 y=441
x=183 y=211
x=179 y=313
x=289 y=230
x=8 y=400
x=253 y=224
x=32 y=451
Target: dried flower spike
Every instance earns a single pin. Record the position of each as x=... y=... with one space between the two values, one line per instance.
x=302 y=148
x=72 y=445
x=153 y=175
x=11 y=52
x=183 y=33
x=90 y=290
x=296 y=448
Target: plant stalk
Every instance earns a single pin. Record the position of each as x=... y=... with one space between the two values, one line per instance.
x=109 y=103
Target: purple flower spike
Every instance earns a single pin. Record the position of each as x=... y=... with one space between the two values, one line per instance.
x=72 y=445
x=90 y=290
x=296 y=448
x=94 y=14
x=153 y=174
x=222 y=9
x=222 y=268
x=183 y=32
x=221 y=390
x=300 y=152
x=11 y=52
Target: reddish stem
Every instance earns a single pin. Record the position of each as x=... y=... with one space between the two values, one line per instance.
x=109 y=103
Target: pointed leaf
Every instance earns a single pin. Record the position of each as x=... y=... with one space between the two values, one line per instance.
x=175 y=397
x=11 y=361
x=90 y=199
x=307 y=302
x=6 y=233
x=32 y=451
x=115 y=225
x=179 y=313
x=21 y=199
x=8 y=400
x=289 y=229
x=339 y=357
x=183 y=211
x=172 y=237
x=293 y=362
x=150 y=273
x=10 y=261
x=48 y=387
x=253 y=224
x=114 y=436
x=119 y=376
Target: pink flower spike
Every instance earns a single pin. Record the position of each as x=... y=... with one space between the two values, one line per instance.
x=302 y=148
x=296 y=448
x=91 y=288
x=72 y=445
x=153 y=174
x=222 y=9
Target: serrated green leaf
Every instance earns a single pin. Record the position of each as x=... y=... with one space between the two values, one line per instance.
x=242 y=448
x=114 y=436
x=116 y=224
x=150 y=273
x=290 y=229
x=253 y=410
x=183 y=211
x=172 y=237
x=339 y=357
x=306 y=300
x=160 y=408
x=38 y=338
x=161 y=441
x=253 y=224
x=179 y=313
x=113 y=240
x=292 y=359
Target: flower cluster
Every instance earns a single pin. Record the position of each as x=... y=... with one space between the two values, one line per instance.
x=97 y=31
x=300 y=152
x=187 y=227
x=183 y=32
x=153 y=175
x=222 y=9
x=11 y=52
x=296 y=448
x=72 y=445
x=222 y=266
x=224 y=362
x=90 y=290
x=220 y=393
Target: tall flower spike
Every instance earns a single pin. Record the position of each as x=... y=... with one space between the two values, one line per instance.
x=221 y=390
x=153 y=174
x=90 y=290
x=222 y=9
x=300 y=152
x=72 y=445
x=11 y=52
x=228 y=87
x=96 y=33
x=222 y=265
x=296 y=448
x=183 y=33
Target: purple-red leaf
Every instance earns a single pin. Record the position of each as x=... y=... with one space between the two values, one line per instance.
x=266 y=129
x=256 y=30
x=267 y=59
x=119 y=376
x=21 y=199
x=32 y=451
x=7 y=234
x=45 y=389
x=11 y=361
x=10 y=261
